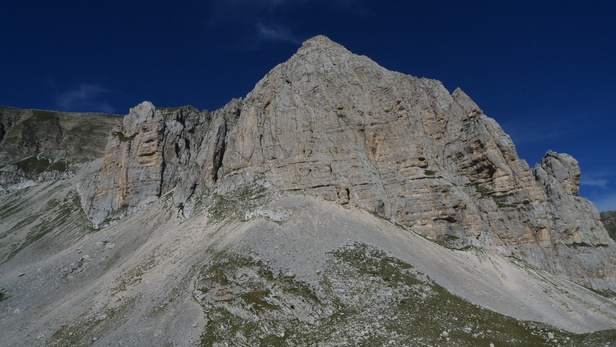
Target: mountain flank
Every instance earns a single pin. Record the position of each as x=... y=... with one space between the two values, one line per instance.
x=336 y=125
x=338 y=203
x=45 y=145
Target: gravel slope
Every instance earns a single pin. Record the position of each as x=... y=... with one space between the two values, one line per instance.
x=134 y=282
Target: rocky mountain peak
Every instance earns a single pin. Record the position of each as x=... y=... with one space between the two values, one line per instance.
x=565 y=169
x=138 y=115
x=337 y=126
x=321 y=42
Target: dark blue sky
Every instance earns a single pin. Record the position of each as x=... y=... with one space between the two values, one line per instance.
x=545 y=70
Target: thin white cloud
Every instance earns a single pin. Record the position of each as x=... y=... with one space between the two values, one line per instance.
x=595 y=182
x=277 y=33
x=597 y=178
x=541 y=131
x=269 y=20
x=85 y=98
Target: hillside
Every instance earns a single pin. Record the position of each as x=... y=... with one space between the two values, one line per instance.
x=46 y=145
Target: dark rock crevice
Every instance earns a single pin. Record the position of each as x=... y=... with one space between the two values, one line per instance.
x=219 y=151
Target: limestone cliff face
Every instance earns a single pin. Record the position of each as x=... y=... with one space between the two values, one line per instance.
x=338 y=126
x=153 y=152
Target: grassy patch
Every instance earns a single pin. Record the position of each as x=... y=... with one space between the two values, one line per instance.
x=449 y=241
x=59 y=165
x=134 y=275
x=87 y=328
x=122 y=137
x=604 y=293
x=499 y=200
x=483 y=191
x=429 y=172
x=222 y=208
x=500 y=204
x=243 y=297
x=39 y=116
x=234 y=205
x=44 y=116
x=35 y=165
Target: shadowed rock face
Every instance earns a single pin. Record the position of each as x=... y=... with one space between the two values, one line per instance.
x=609 y=220
x=44 y=145
x=338 y=126
x=76 y=137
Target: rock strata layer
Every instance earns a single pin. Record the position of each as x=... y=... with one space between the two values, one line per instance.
x=338 y=126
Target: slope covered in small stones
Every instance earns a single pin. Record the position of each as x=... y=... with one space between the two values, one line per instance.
x=363 y=296
x=295 y=271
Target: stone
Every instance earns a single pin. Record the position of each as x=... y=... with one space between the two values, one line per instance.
x=608 y=218
x=565 y=169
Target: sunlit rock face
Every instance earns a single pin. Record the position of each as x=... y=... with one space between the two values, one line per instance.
x=338 y=126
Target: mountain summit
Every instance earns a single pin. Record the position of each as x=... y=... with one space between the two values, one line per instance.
x=263 y=220
x=338 y=126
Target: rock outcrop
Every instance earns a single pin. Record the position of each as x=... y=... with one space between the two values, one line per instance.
x=609 y=221
x=338 y=126
x=154 y=152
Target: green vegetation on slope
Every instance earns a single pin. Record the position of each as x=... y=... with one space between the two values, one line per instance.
x=365 y=297
x=39 y=223
x=35 y=165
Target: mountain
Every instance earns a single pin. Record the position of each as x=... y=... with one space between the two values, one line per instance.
x=337 y=203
